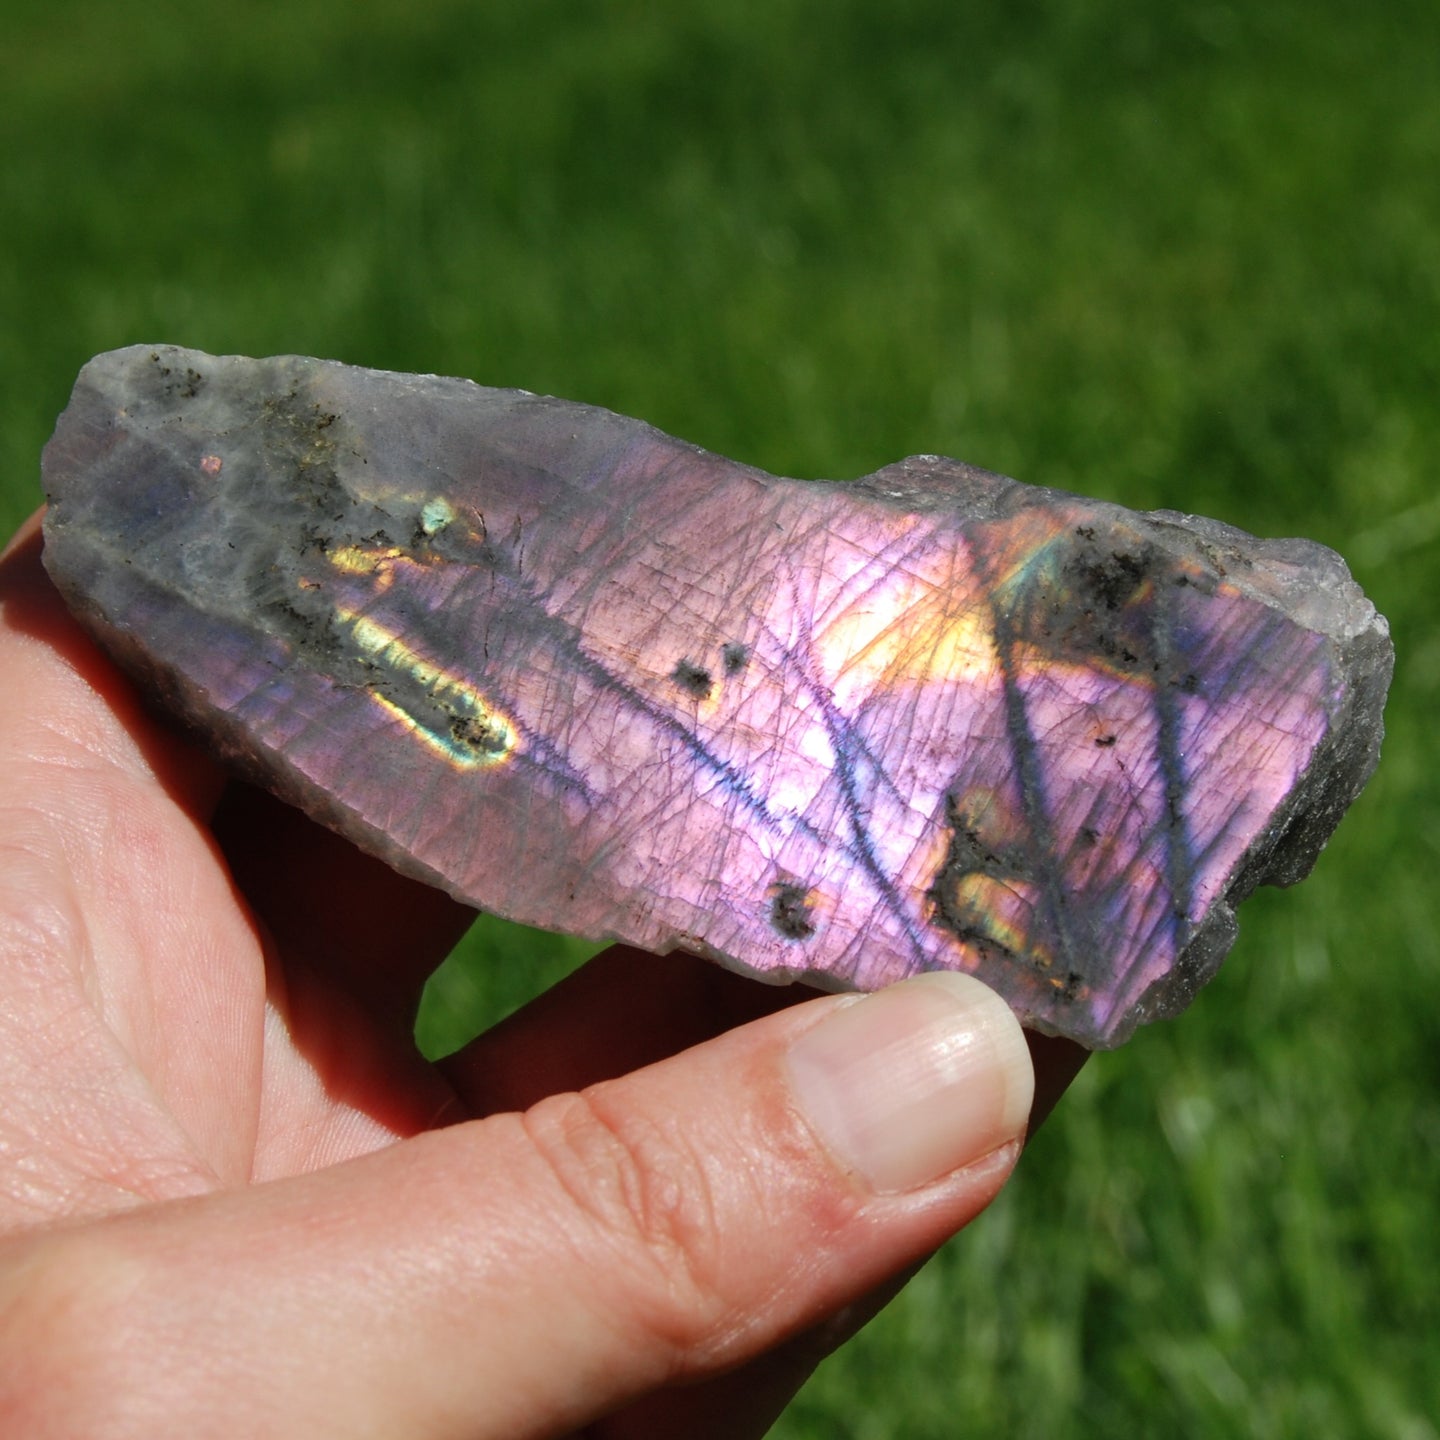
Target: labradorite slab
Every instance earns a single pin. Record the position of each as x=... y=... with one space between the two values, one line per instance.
x=598 y=680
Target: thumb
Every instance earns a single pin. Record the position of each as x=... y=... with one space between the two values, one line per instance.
x=524 y=1274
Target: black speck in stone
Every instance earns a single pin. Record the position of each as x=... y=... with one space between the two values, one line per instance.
x=790 y=911
x=693 y=678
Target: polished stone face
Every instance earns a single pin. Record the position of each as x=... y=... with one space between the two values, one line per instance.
x=591 y=678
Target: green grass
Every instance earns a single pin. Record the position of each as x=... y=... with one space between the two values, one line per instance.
x=1183 y=256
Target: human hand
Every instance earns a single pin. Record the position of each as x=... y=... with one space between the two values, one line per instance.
x=234 y=1199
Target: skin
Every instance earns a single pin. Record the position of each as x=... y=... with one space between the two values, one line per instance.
x=235 y=1200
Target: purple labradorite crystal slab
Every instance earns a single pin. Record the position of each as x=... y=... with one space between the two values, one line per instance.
x=583 y=675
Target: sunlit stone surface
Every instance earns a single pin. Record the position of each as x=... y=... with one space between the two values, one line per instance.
x=592 y=678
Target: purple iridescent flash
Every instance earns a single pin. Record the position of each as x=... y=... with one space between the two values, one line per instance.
x=589 y=677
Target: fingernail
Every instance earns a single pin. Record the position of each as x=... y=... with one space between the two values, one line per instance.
x=913 y=1082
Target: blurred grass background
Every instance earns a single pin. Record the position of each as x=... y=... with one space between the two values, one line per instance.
x=1184 y=256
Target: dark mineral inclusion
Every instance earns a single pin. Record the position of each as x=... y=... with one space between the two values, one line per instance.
x=592 y=678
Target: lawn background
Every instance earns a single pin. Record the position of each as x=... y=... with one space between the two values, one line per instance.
x=1184 y=256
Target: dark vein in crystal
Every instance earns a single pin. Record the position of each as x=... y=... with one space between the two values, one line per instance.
x=1179 y=859
x=1025 y=753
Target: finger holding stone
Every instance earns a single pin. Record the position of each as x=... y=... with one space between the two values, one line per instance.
x=529 y=1273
